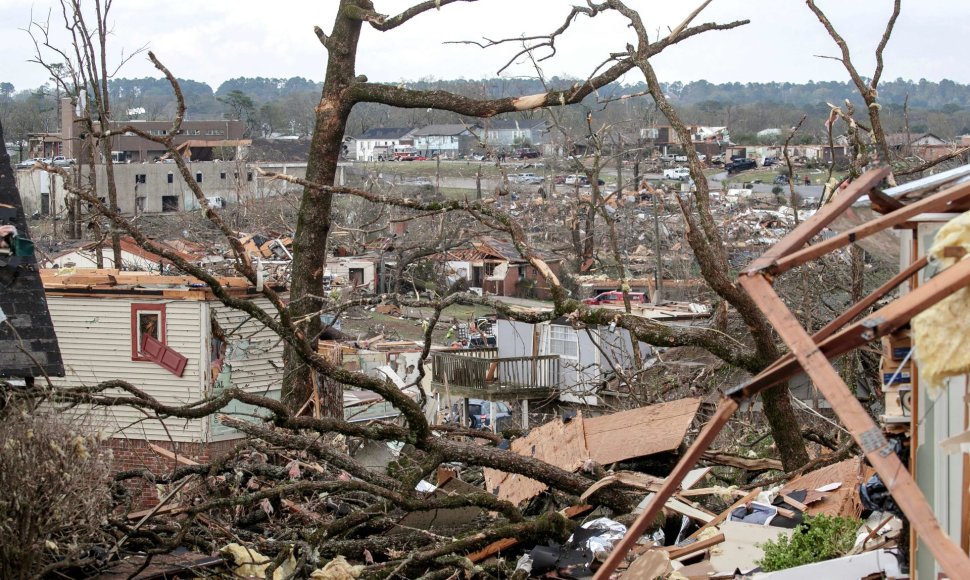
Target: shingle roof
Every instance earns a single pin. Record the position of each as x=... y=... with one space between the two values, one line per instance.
x=28 y=345
x=386 y=133
x=516 y=124
x=456 y=129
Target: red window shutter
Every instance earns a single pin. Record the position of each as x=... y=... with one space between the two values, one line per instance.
x=151 y=347
x=173 y=362
x=163 y=356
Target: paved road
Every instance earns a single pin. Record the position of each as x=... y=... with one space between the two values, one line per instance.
x=806 y=191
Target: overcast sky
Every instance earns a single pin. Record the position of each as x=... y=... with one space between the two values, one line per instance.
x=220 y=39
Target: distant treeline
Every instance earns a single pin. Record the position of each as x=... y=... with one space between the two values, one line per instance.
x=285 y=106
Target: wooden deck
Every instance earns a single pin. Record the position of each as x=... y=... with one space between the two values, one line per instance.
x=481 y=374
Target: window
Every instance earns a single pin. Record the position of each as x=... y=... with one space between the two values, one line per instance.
x=170 y=203
x=146 y=319
x=140 y=178
x=563 y=341
x=171 y=177
x=198 y=177
x=249 y=176
x=222 y=175
x=139 y=205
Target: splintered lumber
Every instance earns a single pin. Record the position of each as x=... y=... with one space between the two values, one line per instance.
x=727 y=513
x=689 y=511
x=506 y=543
x=676 y=552
x=639 y=432
x=745 y=463
x=628 y=478
x=843 y=501
x=166 y=453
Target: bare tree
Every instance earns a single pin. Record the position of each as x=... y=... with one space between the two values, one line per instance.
x=84 y=73
x=343 y=88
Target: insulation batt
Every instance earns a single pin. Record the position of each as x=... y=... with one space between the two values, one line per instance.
x=250 y=563
x=941 y=333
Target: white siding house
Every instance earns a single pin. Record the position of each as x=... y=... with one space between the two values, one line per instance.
x=444 y=140
x=381 y=142
x=99 y=329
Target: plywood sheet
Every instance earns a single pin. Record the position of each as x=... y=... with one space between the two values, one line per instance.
x=741 y=547
x=639 y=432
x=560 y=444
x=843 y=501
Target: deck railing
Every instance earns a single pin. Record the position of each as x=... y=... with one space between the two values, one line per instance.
x=481 y=369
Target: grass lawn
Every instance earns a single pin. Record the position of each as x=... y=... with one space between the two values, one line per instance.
x=768 y=175
x=468 y=169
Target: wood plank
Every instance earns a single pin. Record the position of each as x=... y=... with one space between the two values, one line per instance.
x=864 y=430
x=880 y=323
x=639 y=432
x=843 y=501
x=751 y=496
x=938 y=202
x=671 y=484
x=794 y=503
x=506 y=543
x=694 y=477
x=166 y=453
x=745 y=463
x=688 y=510
x=860 y=306
x=557 y=443
x=820 y=219
x=676 y=552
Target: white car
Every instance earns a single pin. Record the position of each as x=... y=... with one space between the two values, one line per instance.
x=26 y=163
x=679 y=173
x=680 y=159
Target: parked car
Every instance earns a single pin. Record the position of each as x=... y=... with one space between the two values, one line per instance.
x=576 y=180
x=680 y=173
x=27 y=163
x=680 y=158
x=527 y=178
x=668 y=158
x=717 y=159
x=480 y=413
x=62 y=161
x=739 y=165
x=769 y=161
x=526 y=153
x=615 y=297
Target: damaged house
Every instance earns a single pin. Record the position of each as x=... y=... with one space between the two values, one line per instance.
x=172 y=338
x=497 y=268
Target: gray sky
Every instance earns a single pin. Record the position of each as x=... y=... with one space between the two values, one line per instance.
x=220 y=39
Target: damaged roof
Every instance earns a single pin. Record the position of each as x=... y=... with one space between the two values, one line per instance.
x=28 y=344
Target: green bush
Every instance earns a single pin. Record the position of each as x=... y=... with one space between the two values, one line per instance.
x=817 y=539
